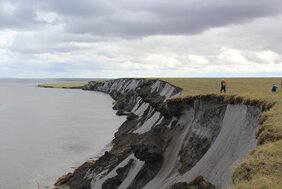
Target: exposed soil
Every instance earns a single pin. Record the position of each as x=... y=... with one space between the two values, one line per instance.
x=168 y=143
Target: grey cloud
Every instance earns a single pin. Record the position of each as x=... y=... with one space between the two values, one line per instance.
x=53 y=42
x=144 y=18
x=18 y=15
x=127 y=18
x=81 y=8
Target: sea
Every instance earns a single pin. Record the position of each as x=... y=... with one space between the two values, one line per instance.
x=46 y=132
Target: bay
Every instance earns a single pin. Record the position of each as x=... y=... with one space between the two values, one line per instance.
x=46 y=132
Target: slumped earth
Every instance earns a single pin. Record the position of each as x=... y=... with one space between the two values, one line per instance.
x=167 y=141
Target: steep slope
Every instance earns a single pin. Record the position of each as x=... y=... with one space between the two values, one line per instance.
x=164 y=142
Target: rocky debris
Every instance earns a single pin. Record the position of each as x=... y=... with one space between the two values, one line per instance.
x=114 y=182
x=146 y=174
x=122 y=113
x=92 y=86
x=197 y=183
x=147 y=153
x=77 y=87
x=82 y=176
x=43 y=86
x=192 y=152
x=75 y=180
x=63 y=179
x=149 y=147
x=195 y=145
x=131 y=116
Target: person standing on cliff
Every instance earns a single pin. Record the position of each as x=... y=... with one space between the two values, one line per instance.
x=223 y=86
x=274 y=88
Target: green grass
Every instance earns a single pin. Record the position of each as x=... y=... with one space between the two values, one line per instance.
x=63 y=85
x=262 y=168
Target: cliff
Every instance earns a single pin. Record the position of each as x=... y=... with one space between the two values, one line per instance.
x=165 y=143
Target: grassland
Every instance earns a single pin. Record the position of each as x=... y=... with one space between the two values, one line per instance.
x=262 y=168
x=74 y=85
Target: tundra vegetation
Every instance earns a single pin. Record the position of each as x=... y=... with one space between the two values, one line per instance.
x=63 y=85
x=262 y=168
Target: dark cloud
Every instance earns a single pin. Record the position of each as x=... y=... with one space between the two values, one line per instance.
x=81 y=8
x=14 y=15
x=127 y=18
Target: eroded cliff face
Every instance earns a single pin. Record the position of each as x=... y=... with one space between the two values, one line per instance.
x=164 y=142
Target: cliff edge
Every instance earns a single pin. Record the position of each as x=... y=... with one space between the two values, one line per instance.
x=168 y=143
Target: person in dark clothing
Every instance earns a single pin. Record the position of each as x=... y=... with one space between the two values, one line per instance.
x=223 y=86
x=274 y=88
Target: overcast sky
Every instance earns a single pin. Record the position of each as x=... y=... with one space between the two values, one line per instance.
x=140 y=38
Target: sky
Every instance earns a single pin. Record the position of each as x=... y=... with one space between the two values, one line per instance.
x=140 y=38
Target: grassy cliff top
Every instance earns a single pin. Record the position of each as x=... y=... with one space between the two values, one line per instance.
x=63 y=85
x=262 y=168
x=255 y=88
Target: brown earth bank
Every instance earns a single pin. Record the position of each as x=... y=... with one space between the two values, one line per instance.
x=168 y=143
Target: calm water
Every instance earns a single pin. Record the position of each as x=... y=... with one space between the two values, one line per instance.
x=45 y=132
